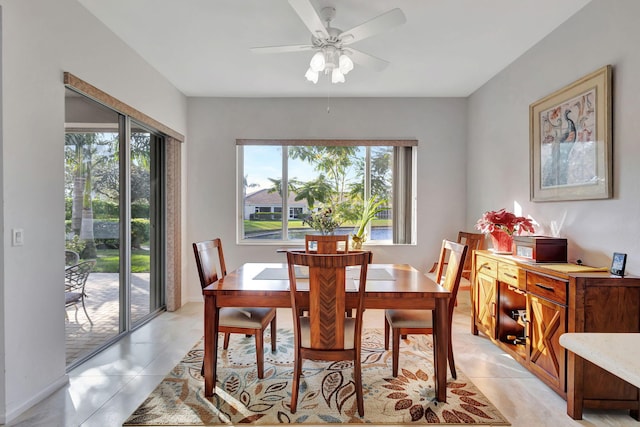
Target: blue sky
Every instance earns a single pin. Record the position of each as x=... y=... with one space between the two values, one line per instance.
x=263 y=162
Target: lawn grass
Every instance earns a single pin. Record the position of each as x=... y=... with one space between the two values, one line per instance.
x=108 y=261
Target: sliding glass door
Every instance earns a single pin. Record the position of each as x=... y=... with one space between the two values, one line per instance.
x=114 y=192
x=147 y=207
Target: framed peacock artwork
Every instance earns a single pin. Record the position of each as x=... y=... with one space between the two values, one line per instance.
x=570 y=141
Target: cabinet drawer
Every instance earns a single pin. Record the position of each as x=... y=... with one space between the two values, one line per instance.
x=512 y=275
x=546 y=287
x=487 y=266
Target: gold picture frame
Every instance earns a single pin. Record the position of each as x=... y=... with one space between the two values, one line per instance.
x=570 y=141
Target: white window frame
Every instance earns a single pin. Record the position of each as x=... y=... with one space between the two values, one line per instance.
x=407 y=213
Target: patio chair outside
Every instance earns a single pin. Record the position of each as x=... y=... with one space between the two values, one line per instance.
x=75 y=280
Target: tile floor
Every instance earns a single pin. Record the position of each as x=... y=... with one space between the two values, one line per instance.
x=104 y=391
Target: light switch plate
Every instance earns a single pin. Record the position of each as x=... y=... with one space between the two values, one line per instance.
x=17 y=237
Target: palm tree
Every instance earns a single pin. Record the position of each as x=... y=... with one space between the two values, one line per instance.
x=84 y=152
x=79 y=165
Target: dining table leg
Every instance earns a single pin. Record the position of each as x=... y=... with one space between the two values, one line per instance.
x=441 y=347
x=211 y=318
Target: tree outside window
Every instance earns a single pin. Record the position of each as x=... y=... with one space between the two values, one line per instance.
x=336 y=178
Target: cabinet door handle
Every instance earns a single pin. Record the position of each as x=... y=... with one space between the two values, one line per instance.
x=494 y=310
x=546 y=288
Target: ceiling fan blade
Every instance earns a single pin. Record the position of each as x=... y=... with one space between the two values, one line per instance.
x=310 y=17
x=367 y=60
x=282 y=49
x=380 y=23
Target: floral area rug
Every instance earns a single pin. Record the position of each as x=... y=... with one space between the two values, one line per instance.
x=327 y=391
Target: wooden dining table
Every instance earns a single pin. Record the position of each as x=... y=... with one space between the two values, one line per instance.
x=388 y=286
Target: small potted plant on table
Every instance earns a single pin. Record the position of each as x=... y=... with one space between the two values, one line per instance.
x=370 y=209
x=322 y=221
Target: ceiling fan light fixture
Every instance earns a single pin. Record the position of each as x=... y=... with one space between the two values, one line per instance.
x=311 y=76
x=317 y=62
x=345 y=64
x=333 y=56
x=330 y=58
x=337 y=76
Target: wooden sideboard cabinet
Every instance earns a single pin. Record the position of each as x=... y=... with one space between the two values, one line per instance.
x=524 y=307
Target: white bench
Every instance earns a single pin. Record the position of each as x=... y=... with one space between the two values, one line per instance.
x=617 y=353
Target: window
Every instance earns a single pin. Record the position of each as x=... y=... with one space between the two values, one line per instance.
x=306 y=176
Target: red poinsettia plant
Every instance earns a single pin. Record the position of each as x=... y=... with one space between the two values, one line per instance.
x=502 y=220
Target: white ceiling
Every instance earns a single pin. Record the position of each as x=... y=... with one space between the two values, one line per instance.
x=447 y=48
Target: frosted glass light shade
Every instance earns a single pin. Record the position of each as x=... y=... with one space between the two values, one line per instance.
x=311 y=75
x=317 y=62
x=346 y=64
x=337 y=76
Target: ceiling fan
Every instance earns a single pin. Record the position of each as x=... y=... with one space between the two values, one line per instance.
x=334 y=55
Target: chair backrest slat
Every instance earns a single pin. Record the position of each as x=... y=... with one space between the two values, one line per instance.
x=326 y=306
x=452 y=255
x=474 y=241
x=206 y=253
x=326 y=244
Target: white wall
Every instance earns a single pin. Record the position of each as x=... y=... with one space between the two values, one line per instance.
x=40 y=40
x=604 y=32
x=215 y=123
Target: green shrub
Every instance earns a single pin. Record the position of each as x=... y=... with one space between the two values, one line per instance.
x=140 y=209
x=266 y=216
x=67 y=208
x=75 y=245
x=106 y=232
x=105 y=209
x=139 y=232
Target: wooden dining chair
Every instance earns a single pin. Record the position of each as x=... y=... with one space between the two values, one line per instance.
x=474 y=241
x=245 y=320
x=409 y=322
x=326 y=334
x=326 y=244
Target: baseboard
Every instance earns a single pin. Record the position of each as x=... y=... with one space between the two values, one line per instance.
x=13 y=413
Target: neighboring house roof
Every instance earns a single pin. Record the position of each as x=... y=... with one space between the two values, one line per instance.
x=263 y=197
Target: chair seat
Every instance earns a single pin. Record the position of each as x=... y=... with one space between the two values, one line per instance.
x=414 y=319
x=72 y=297
x=250 y=318
x=305 y=332
x=406 y=322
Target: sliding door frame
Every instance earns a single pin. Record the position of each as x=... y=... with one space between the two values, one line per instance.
x=173 y=219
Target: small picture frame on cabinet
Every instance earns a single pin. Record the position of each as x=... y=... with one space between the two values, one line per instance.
x=618 y=264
